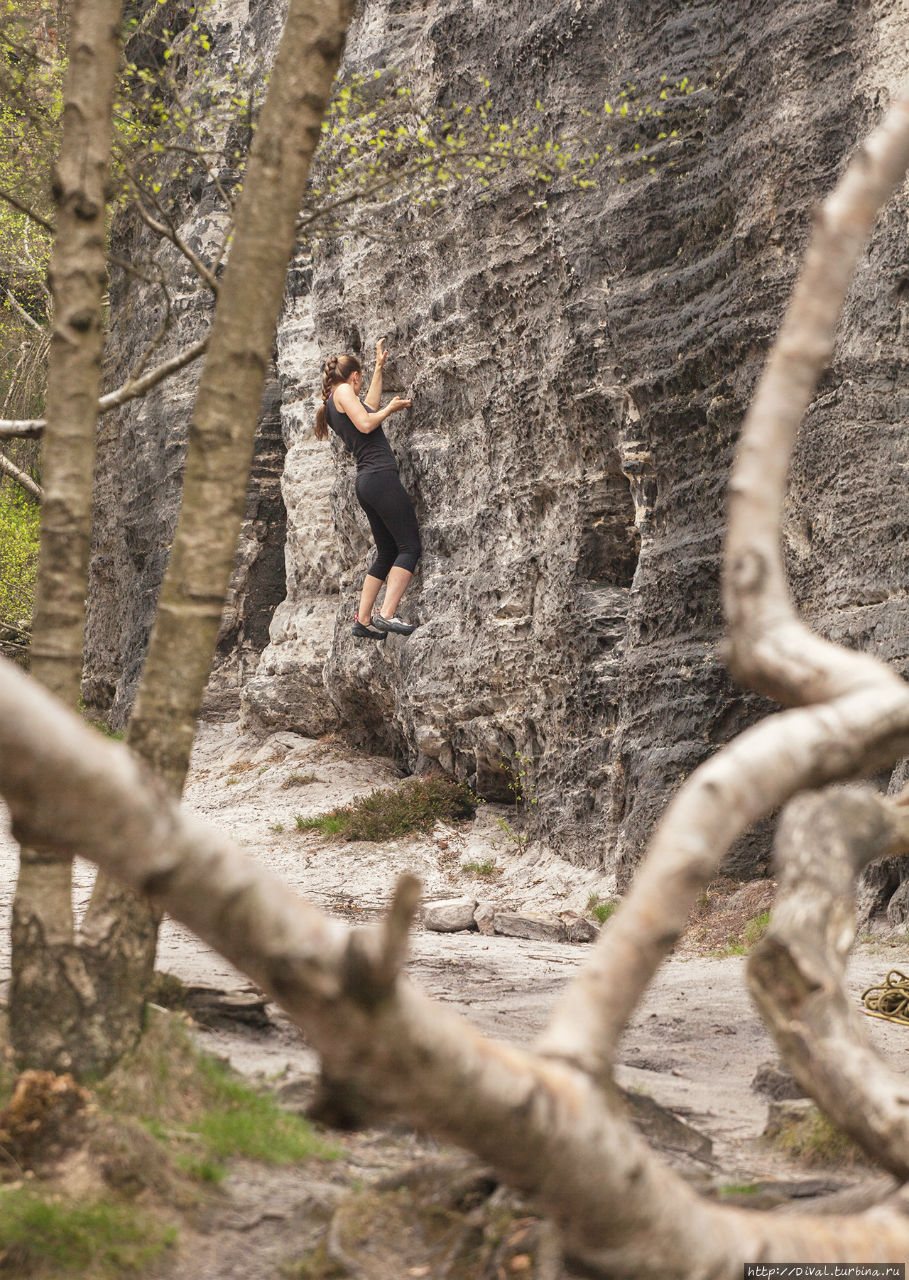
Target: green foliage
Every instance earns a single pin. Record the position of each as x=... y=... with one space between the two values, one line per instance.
x=181 y=1094
x=19 y=536
x=379 y=142
x=60 y=1237
x=384 y=814
x=238 y=1121
x=744 y=942
x=598 y=908
x=486 y=869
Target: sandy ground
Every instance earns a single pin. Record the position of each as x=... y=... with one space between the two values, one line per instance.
x=694 y=1044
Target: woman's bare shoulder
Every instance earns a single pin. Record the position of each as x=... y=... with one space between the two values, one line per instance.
x=344 y=396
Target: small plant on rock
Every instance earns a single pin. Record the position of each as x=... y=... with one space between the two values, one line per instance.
x=298 y=780
x=487 y=869
x=525 y=798
x=599 y=908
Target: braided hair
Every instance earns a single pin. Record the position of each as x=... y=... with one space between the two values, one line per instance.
x=337 y=370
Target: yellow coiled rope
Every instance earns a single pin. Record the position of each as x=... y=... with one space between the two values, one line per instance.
x=889 y=1001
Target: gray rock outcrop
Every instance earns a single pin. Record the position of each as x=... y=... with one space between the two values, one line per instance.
x=579 y=374
x=449 y=916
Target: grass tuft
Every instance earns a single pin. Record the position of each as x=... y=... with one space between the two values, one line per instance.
x=487 y=868
x=179 y=1093
x=815 y=1141
x=743 y=943
x=298 y=780
x=599 y=909
x=63 y=1238
x=415 y=806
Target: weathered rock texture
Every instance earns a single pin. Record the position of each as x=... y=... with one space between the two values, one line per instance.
x=142 y=446
x=579 y=372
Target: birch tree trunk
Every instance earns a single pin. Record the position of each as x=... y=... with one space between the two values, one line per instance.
x=51 y=984
x=95 y=983
x=219 y=454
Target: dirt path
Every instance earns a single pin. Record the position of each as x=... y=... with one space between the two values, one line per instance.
x=693 y=1045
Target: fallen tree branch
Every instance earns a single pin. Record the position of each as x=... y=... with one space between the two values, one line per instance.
x=21 y=311
x=21 y=428
x=545 y=1125
x=21 y=477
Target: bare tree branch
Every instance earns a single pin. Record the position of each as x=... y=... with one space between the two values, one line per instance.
x=32 y=428
x=134 y=387
x=21 y=477
x=770 y=648
x=24 y=208
x=21 y=311
x=170 y=233
x=21 y=429
x=864 y=717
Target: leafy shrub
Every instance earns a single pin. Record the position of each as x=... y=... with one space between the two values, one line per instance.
x=19 y=533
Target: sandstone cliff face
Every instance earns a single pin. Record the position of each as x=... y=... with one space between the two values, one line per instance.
x=142 y=446
x=579 y=373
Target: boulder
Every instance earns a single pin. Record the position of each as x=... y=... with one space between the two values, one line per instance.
x=540 y=926
x=484 y=918
x=449 y=916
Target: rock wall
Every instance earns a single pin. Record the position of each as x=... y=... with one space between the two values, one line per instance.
x=579 y=372
x=142 y=446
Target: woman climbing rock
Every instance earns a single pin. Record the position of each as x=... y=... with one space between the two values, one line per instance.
x=380 y=493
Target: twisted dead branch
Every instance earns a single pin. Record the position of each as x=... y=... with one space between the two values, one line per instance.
x=796 y=973
x=544 y=1124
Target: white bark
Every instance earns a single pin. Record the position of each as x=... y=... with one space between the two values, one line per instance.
x=545 y=1125
x=21 y=428
x=21 y=477
x=796 y=973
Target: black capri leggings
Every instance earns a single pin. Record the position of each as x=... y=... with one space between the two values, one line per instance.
x=392 y=519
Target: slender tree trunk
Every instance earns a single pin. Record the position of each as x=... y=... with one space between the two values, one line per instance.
x=219 y=455
x=223 y=425
x=50 y=983
x=76 y=1001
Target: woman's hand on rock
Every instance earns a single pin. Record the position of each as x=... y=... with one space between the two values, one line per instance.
x=398 y=403
x=381 y=353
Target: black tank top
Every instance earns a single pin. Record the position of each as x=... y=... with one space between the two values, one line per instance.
x=371 y=449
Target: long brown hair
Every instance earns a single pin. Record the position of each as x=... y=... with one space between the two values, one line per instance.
x=337 y=370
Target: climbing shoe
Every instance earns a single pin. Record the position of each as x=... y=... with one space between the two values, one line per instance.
x=367 y=631
x=393 y=624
